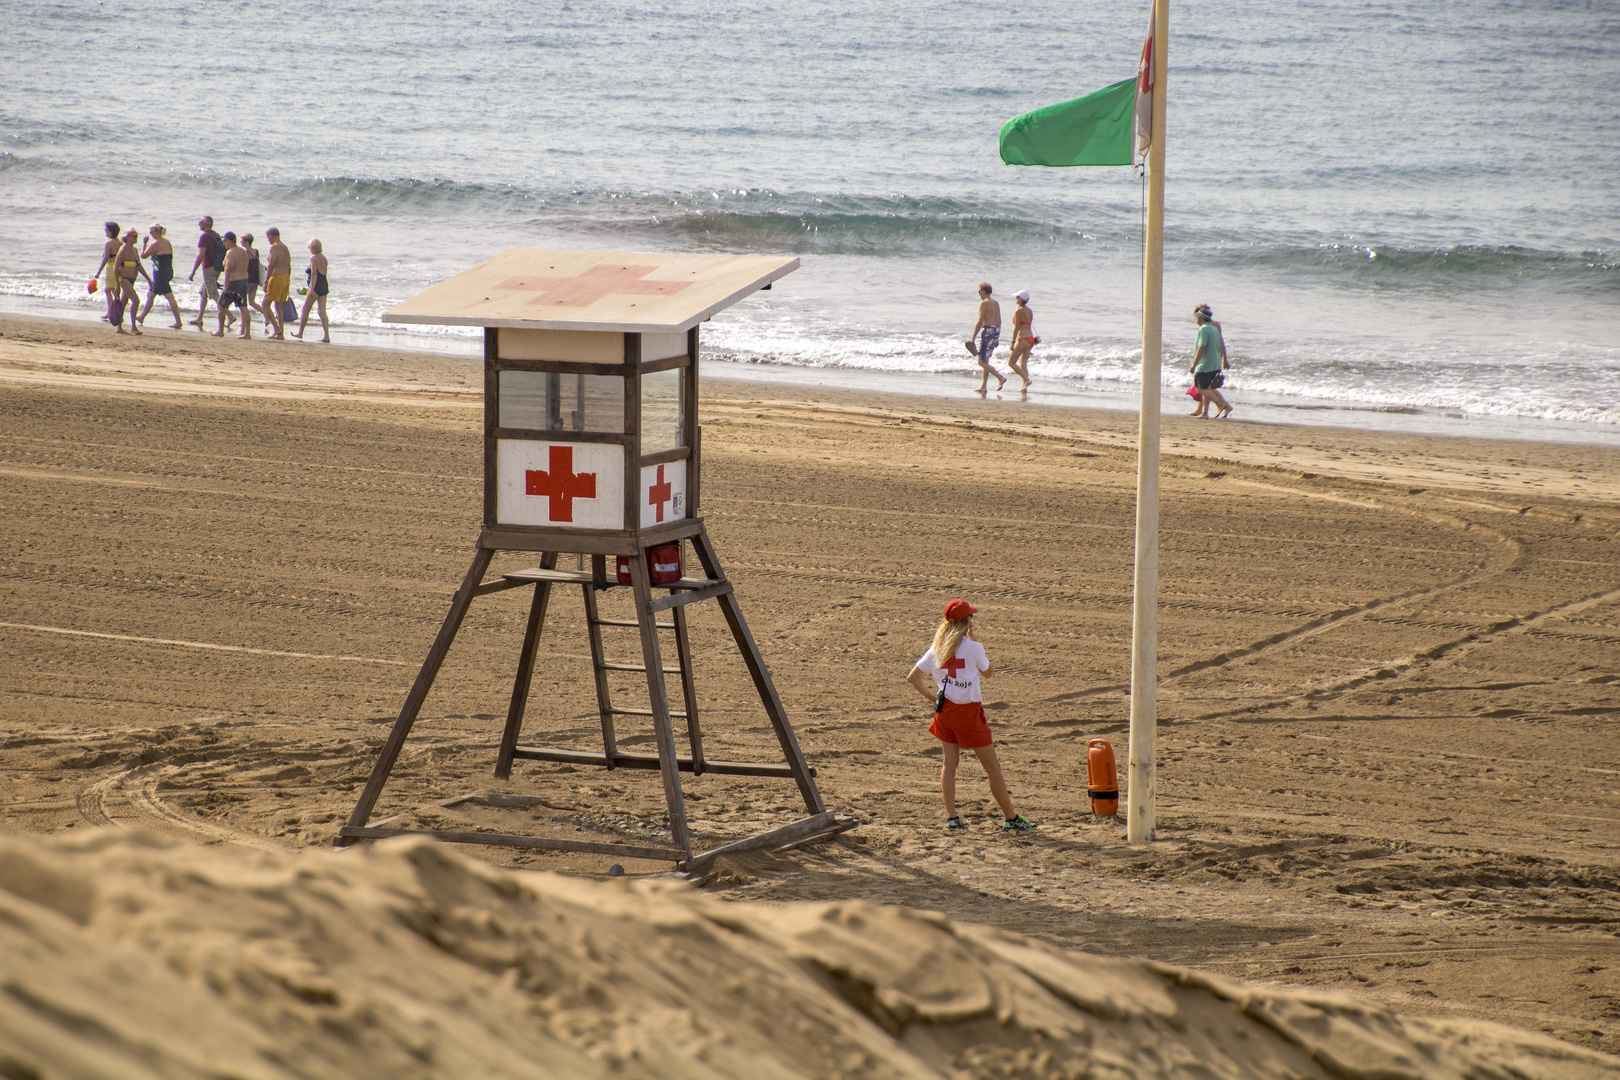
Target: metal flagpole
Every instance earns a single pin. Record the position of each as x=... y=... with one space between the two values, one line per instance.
x=1141 y=796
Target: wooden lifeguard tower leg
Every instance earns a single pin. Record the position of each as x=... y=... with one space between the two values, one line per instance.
x=761 y=675
x=525 y=669
x=683 y=650
x=419 y=689
x=663 y=732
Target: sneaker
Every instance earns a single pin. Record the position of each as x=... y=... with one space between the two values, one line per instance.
x=1017 y=824
x=955 y=824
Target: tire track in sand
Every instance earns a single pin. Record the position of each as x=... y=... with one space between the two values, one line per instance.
x=129 y=799
x=1334 y=620
x=1445 y=652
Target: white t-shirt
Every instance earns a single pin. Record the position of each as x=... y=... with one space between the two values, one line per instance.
x=962 y=681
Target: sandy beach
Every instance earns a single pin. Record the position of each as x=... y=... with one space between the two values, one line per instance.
x=1388 y=662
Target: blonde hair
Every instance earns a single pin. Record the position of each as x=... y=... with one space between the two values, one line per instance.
x=314 y=247
x=949 y=637
x=158 y=230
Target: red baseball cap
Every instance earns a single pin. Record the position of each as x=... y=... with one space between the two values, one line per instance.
x=959 y=609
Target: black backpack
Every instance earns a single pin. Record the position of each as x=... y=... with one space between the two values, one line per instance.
x=216 y=253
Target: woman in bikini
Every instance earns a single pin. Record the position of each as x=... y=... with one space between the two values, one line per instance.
x=156 y=247
x=1024 y=338
x=129 y=267
x=316 y=296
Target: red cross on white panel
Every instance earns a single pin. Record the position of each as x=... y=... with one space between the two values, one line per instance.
x=561 y=484
x=659 y=494
x=953 y=665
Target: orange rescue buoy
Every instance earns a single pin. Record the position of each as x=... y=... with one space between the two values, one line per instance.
x=1102 y=779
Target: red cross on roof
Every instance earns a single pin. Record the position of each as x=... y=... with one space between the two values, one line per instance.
x=659 y=494
x=561 y=484
x=598 y=282
x=953 y=665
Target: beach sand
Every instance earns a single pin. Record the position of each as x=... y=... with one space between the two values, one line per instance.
x=1388 y=663
x=128 y=957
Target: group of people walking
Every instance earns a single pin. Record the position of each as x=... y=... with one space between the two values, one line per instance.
x=233 y=273
x=1208 y=369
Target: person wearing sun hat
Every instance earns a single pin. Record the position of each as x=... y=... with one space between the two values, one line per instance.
x=948 y=674
x=1024 y=339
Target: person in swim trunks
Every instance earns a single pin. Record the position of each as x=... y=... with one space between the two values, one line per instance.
x=955 y=663
x=1209 y=360
x=316 y=296
x=277 y=281
x=236 y=287
x=986 y=336
x=156 y=247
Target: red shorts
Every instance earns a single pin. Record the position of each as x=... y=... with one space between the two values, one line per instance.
x=962 y=724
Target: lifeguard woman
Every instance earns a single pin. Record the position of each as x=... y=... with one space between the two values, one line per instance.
x=955 y=663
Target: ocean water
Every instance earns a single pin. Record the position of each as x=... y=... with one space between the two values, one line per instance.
x=1402 y=209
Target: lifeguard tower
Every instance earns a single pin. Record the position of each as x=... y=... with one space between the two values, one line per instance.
x=592 y=448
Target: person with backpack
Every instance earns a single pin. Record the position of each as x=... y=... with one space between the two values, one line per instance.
x=955 y=663
x=211 y=261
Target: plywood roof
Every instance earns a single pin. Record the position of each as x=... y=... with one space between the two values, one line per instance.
x=593 y=290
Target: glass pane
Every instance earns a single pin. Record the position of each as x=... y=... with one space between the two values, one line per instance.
x=661 y=411
x=547 y=401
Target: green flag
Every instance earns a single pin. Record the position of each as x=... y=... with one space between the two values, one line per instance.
x=1093 y=130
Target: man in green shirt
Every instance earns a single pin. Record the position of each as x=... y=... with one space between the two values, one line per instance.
x=1209 y=360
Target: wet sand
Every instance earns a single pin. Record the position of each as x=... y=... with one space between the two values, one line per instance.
x=1388 y=662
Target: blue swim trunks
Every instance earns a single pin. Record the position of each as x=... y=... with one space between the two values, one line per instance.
x=989 y=338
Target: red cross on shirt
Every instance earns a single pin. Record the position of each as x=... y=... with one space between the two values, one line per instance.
x=659 y=494
x=562 y=485
x=953 y=665
x=593 y=285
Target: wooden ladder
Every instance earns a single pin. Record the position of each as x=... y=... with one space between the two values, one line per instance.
x=594 y=621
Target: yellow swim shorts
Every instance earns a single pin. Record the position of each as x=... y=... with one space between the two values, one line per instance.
x=275 y=290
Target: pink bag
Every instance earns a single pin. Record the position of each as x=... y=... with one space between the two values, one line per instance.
x=1192 y=392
